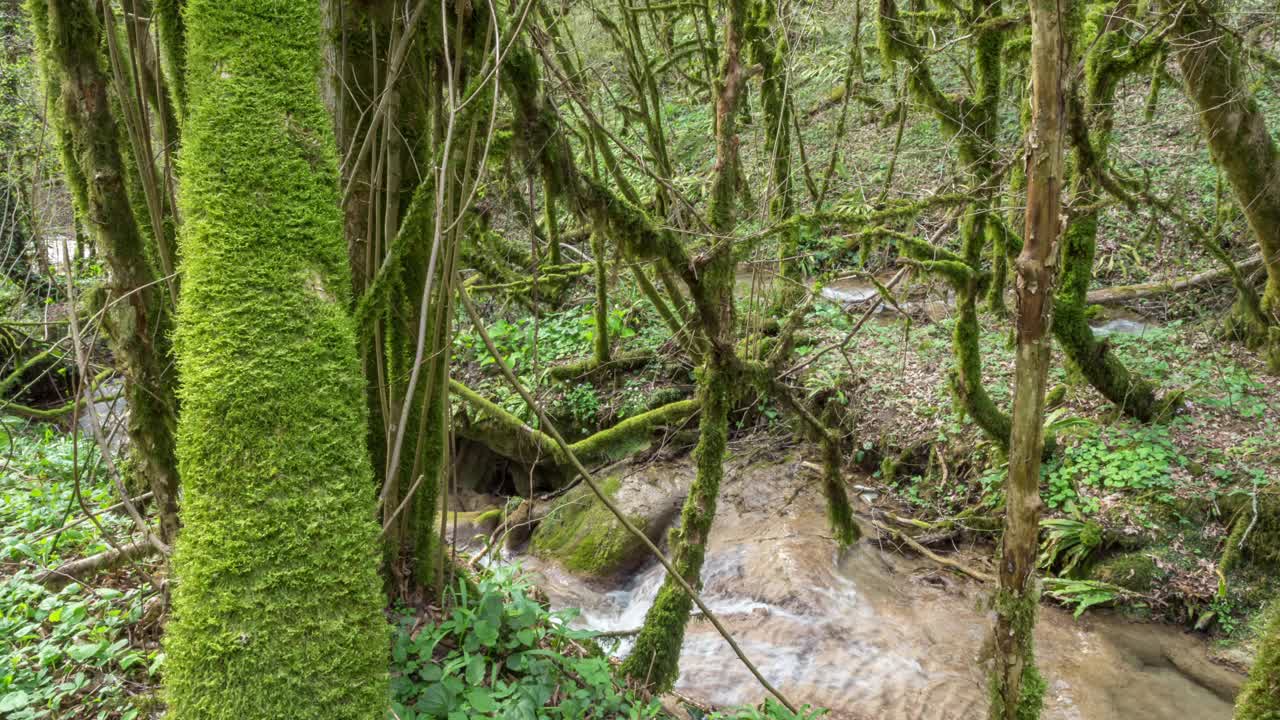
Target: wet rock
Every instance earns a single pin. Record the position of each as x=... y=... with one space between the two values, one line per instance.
x=581 y=534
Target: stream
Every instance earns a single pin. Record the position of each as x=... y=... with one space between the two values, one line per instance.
x=873 y=634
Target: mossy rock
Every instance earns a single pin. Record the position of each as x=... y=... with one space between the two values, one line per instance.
x=1253 y=541
x=1133 y=571
x=470 y=524
x=581 y=534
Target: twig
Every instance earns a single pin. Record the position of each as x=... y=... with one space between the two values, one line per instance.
x=854 y=331
x=82 y=361
x=945 y=562
x=68 y=526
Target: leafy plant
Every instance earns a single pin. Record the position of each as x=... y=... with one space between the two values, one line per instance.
x=499 y=653
x=1114 y=460
x=1068 y=544
x=1084 y=594
x=769 y=710
x=67 y=653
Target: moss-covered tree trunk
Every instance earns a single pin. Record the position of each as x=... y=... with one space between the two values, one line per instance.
x=1017 y=690
x=767 y=41
x=973 y=122
x=1235 y=127
x=68 y=38
x=277 y=608
x=1090 y=135
x=1260 y=698
x=600 y=338
x=173 y=49
x=655 y=660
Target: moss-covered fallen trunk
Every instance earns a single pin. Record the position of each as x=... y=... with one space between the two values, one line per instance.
x=277 y=602
x=508 y=435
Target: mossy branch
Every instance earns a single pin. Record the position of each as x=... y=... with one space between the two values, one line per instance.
x=536 y=446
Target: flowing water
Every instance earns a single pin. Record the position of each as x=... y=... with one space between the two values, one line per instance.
x=870 y=633
x=1121 y=322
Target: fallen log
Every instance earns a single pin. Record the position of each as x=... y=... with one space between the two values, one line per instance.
x=78 y=570
x=1125 y=293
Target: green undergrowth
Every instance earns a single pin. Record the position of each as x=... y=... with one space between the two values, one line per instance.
x=499 y=652
x=84 y=651
x=534 y=346
x=1113 y=459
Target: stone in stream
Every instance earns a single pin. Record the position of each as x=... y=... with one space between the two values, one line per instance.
x=580 y=533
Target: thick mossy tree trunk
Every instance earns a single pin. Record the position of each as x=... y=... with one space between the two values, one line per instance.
x=1235 y=128
x=1260 y=698
x=655 y=660
x=277 y=602
x=1017 y=689
x=68 y=38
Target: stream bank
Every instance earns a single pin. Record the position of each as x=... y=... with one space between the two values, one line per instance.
x=872 y=633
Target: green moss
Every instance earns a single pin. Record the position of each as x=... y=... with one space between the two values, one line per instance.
x=68 y=37
x=585 y=537
x=1104 y=371
x=655 y=660
x=1135 y=571
x=277 y=602
x=1260 y=698
x=632 y=434
x=1017 y=615
x=839 y=512
x=1254 y=540
x=173 y=49
x=1055 y=396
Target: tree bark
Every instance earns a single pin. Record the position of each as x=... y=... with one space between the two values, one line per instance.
x=78 y=570
x=68 y=37
x=1017 y=688
x=1234 y=127
x=277 y=601
x=655 y=660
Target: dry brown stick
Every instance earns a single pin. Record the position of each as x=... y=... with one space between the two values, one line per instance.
x=935 y=557
x=551 y=430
